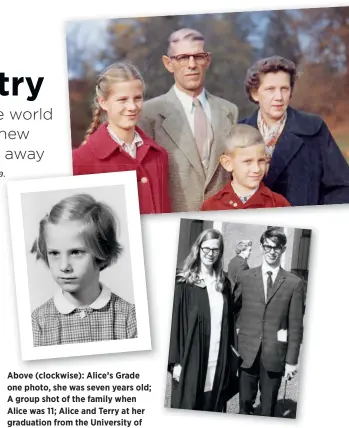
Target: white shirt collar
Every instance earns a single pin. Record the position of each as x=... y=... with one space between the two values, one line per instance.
x=65 y=307
x=267 y=268
x=137 y=139
x=187 y=100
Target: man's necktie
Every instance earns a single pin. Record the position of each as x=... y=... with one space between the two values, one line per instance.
x=269 y=283
x=202 y=132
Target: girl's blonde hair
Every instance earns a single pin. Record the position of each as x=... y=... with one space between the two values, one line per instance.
x=115 y=73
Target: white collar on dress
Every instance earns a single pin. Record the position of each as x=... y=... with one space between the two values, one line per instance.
x=65 y=307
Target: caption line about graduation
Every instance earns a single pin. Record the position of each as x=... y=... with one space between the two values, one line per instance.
x=75 y=399
x=14 y=138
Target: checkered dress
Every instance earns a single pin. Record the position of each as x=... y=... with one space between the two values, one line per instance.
x=116 y=320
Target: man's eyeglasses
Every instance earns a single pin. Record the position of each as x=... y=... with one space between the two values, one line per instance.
x=268 y=248
x=183 y=59
x=207 y=250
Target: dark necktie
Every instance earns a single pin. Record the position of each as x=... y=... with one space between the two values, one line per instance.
x=269 y=284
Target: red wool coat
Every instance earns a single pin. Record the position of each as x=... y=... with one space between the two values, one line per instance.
x=102 y=154
x=227 y=199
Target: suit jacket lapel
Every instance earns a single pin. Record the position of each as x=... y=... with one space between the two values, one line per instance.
x=259 y=283
x=251 y=120
x=280 y=278
x=177 y=127
x=221 y=126
x=286 y=148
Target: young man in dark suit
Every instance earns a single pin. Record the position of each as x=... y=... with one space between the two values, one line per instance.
x=271 y=303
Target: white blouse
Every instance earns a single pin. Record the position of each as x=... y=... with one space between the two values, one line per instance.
x=215 y=299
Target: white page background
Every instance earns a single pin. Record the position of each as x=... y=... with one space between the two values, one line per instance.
x=33 y=44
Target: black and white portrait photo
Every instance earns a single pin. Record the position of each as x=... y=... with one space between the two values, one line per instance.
x=237 y=322
x=81 y=245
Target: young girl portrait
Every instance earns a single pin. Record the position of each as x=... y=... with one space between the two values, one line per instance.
x=77 y=240
x=114 y=143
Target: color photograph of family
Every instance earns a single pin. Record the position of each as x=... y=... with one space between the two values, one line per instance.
x=215 y=111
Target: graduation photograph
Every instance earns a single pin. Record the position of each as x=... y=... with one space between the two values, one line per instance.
x=237 y=321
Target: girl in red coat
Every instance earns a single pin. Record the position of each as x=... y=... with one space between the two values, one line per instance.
x=114 y=142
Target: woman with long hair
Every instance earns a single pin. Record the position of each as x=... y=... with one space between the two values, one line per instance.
x=202 y=329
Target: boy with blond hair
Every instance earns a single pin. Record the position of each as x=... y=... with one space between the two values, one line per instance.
x=244 y=157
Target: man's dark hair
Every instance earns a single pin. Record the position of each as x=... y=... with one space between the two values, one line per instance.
x=275 y=235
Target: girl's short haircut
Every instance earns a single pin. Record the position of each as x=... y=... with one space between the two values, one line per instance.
x=242 y=136
x=99 y=231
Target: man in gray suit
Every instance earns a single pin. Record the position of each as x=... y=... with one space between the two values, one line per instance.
x=270 y=325
x=190 y=123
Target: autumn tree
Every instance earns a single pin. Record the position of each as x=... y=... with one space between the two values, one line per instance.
x=281 y=36
x=324 y=80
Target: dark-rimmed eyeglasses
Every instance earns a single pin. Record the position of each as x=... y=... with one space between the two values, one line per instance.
x=268 y=248
x=207 y=250
x=183 y=59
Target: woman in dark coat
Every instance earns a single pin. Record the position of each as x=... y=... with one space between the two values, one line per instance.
x=202 y=330
x=306 y=165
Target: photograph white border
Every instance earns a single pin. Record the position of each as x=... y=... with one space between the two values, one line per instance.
x=15 y=189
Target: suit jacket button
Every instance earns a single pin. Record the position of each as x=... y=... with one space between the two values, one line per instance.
x=235 y=204
x=144 y=180
x=231 y=202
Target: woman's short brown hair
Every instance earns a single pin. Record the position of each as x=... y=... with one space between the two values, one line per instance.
x=263 y=66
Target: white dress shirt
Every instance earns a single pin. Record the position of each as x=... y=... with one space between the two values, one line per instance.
x=215 y=299
x=189 y=109
x=266 y=268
